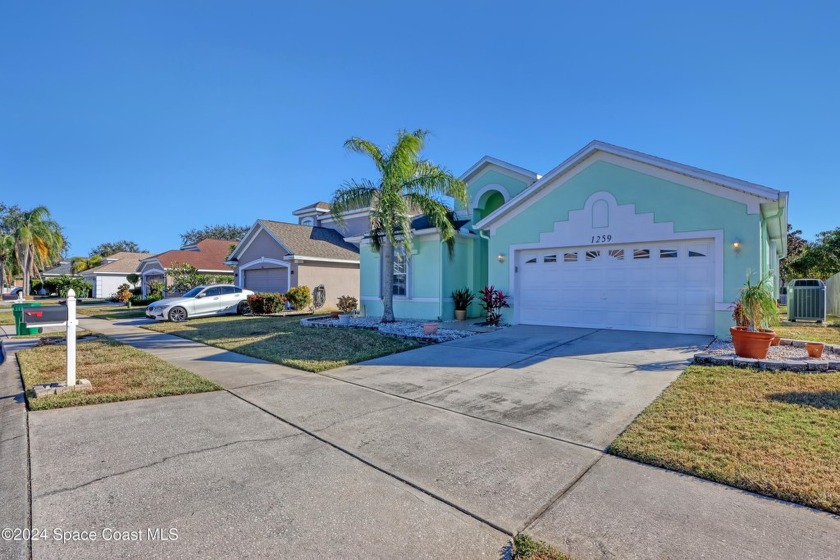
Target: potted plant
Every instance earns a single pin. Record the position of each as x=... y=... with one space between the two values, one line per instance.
x=347 y=306
x=755 y=312
x=463 y=298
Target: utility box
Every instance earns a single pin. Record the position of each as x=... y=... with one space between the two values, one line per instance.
x=806 y=300
x=20 y=325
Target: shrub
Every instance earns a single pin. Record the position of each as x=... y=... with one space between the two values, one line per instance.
x=141 y=301
x=48 y=285
x=137 y=291
x=133 y=279
x=347 y=304
x=65 y=283
x=155 y=287
x=265 y=302
x=300 y=297
x=123 y=293
x=463 y=298
x=492 y=301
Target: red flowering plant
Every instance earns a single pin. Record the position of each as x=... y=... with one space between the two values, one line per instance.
x=493 y=301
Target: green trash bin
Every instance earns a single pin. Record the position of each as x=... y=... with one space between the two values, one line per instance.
x=20 y=326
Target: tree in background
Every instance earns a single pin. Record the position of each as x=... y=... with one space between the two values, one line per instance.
x=229 y=232
x=821 y=258
x=80 y=264
x=796 y=247
x=39 y=242
x=122 y=246
x=8 y=264
x=407 y=184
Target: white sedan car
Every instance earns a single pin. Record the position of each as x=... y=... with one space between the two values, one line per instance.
x=201 y=301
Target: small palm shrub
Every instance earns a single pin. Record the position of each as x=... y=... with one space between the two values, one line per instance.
x=463 y=298
x=347 y=304
x=264 y=303
x=300 y=297
x=759 y=305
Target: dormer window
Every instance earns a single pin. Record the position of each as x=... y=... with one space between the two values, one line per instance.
x=307 y=222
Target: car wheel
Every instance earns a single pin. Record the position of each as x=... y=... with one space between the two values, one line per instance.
x=243 y=308
x=177 y=314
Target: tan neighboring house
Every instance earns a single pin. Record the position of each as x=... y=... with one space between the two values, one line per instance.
x=207 y=256
x=275 y=256
x=113 y=272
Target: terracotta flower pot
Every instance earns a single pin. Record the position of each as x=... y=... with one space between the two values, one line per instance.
x=430 y=328
x=460 y=314
x=335 y=314
x=814 y=349
x=776 y=341
x=750 y=344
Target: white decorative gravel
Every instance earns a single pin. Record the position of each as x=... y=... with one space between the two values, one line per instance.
x=783 y=352
x=402 y=328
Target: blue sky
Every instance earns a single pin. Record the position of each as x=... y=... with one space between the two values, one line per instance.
x=142 y=120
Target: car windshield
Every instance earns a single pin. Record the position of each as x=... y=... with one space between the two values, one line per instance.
x=194 y=292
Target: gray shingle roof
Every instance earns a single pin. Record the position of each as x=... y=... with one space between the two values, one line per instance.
x=308 y=241
x=62 y=268
x=121 y=263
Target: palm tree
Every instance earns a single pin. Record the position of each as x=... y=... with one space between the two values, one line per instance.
x=407 y=184
x=38 y=242
x=80 y=264
x=7 y=258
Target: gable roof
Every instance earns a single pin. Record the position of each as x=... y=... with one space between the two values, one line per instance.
x=753 y=189
x=63 y=267
x=486 y=161
x=310 y=241
x=119 y=263
x=208 y=254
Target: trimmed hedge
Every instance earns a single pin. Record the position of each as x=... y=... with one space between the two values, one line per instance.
x=264 y=303
x=140 y=300
x=300 y=297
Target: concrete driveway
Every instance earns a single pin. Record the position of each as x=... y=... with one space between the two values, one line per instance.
x=582 y=386
x=443 y=451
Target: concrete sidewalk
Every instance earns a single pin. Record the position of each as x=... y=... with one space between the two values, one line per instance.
x=14 y=455
x=588 y=503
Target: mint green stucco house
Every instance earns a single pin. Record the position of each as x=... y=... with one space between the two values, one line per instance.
x=610 y=238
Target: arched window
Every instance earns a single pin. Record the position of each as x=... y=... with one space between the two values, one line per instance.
x=307 y=222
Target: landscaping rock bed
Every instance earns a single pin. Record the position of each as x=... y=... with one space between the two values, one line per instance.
x=405 y=329
x=789 y=355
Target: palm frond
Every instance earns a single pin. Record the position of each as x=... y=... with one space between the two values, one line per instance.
x=439 y=215
x=362 y=146
x=352 y=196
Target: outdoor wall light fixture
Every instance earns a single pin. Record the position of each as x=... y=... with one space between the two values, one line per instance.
x=501 y=257
x=736 y=246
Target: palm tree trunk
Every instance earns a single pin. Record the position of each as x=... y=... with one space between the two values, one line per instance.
x=387 y=281
x=2 y=276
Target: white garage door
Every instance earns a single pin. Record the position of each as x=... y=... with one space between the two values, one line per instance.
x=661 y=287
x=267 y=280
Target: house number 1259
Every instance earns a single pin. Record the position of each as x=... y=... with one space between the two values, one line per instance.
x=601 y=238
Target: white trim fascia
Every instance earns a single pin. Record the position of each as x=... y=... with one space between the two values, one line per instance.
x=313 y=210
x=531 y=176
x=433 y=231
x=662 y=168
x=318 y=259
x=153 y=271
x=240 y=278
x=249 y=237
x=355 y=239
x=716 y=235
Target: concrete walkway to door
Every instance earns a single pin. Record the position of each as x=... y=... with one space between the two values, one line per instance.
x=510 y=428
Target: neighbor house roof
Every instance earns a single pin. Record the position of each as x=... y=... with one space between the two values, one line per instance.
x=308 y=241
x=119 y=263
x=63 y=267
x=209 y=254
x=318 y=206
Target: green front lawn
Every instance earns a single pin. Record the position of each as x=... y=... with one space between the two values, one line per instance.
x=7 y=318
x=284 y=341
x=776 y=434
x=116 y=371
x=112 y=313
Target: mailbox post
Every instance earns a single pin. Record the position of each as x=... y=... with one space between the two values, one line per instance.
x=59 y=316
